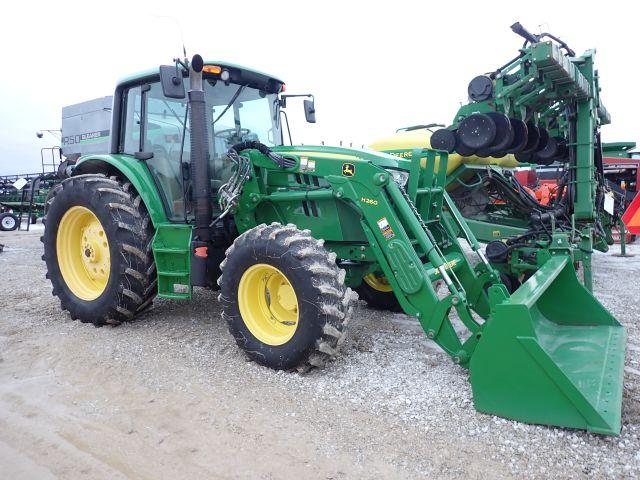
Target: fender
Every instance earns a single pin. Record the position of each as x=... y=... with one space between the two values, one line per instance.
x=135 y=172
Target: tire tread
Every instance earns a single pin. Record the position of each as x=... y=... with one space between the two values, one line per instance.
x=137 y=283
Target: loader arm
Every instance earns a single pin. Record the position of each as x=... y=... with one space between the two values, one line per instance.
x=411 y=259
x=411 y=252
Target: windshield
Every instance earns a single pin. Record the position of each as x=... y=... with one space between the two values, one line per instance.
x=240 y=113
x=235 y=113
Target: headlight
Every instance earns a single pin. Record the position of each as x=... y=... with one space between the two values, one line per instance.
x=401 y=177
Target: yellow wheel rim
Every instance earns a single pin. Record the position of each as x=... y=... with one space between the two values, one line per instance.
x=378 y=282
x=268 y=304
x=83 y=253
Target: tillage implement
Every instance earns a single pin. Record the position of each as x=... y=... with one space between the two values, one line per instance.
x=539 y=111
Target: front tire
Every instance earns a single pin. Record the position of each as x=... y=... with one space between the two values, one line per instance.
x=97 y=249
x=284 y=298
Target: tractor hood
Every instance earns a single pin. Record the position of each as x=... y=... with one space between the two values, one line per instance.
x=340 y=154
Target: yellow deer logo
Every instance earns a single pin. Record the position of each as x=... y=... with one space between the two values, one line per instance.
x=348 y=169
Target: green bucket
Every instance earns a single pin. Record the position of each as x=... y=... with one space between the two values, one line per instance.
x=551 y=354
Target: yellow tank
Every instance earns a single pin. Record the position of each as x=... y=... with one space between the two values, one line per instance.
x=402 y=143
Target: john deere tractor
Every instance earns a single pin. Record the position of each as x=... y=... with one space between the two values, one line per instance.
x=199 y=190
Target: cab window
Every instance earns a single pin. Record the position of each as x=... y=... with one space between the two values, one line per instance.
x=164 y=125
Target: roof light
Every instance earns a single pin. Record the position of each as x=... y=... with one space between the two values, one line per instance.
x=212 y=69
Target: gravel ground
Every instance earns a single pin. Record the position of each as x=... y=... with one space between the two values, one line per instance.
x=170 y=396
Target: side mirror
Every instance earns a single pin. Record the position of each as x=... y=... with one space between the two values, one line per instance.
x=172 y=81
x=309 y=111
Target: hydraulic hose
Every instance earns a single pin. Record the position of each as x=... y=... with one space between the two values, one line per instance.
x=281 y=161
x=540 y=217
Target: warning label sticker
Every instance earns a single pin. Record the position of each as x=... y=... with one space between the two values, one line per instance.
x=385 y=228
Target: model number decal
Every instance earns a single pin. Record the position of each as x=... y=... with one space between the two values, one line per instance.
x=369 y=201
x=85 y=137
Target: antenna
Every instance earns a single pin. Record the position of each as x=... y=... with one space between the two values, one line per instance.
x=543 y=27
x=177 y=24
x=55 y=132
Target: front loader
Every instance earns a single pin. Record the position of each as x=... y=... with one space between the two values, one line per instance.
x=199 y=190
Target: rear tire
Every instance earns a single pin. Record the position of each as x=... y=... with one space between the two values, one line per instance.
x=8 y=222
x=378 y=294
x=310 y=332
x=118 y=212
x=53 y=191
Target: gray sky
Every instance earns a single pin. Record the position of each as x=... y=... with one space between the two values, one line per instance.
x=372 y=66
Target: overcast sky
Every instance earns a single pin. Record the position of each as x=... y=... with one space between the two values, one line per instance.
x=372 y=66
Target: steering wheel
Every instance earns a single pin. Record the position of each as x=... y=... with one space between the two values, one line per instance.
x=229 y=133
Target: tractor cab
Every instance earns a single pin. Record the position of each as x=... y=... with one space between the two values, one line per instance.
x=152 y=124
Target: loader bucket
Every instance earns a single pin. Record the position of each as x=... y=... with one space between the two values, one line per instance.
x=551 y=354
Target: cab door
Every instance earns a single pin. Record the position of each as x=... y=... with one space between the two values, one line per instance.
x=158 y=126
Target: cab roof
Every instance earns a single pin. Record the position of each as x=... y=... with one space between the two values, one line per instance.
x=135 y=77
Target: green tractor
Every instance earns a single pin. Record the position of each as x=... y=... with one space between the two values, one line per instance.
x=200 y=190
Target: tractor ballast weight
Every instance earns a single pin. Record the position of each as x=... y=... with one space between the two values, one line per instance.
x=340 y=216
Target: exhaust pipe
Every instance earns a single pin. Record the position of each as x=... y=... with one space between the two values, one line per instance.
x=200 y=181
